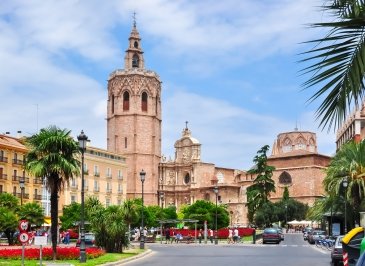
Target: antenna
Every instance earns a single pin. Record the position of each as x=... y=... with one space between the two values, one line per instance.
x=134 y=19
x=296 y=125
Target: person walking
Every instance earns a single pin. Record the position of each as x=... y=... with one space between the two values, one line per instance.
x=211 y=235
x=167 y=235
x=235 y=235
x=200 y=236
x=230 y=236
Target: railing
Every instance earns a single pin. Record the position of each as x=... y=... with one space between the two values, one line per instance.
x=19 y=194
x=108 y=190
x=37 y=180
x=37 y=197
x=4 y=177
x=96 y=189
x=120 y=177
x=18 y=178
x=3 y=159
x=97 y=174
x=109 y=176
x=120 y=191
x=74 y=186
x=16 y=161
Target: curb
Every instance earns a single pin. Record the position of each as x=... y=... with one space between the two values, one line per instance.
x=123 y=261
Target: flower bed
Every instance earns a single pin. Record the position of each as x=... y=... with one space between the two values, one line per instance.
x=63 y=253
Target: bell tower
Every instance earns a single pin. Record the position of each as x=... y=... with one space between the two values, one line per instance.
x=134 y=120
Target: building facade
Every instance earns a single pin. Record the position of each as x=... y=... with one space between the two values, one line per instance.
x=134 y=120
x=104 y=179
x=12 y=174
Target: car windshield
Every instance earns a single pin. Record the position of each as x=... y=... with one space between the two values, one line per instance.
x=270 y=231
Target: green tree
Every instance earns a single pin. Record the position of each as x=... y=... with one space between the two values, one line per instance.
x=285 y=194
x=349 y=163
x=258 y=193
x=338 y=61
x=131 y=215
x=32 y=212
x=71 y=215
x=53 y=154
x=8 y=223
x=9 y=201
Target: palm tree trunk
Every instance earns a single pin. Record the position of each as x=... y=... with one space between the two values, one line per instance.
x=54 y=219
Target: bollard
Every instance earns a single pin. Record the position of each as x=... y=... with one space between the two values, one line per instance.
x=345 y=259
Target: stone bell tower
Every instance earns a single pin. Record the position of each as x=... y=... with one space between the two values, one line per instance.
x=134 y=120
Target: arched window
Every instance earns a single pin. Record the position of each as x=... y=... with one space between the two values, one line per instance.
x=300 y=145
x=187 y=178
x=207 y=197
x=112 y=103
x=135 y=61
x=126 y=101
x=287 y=147
x=285 y=178
x=135 y=44
x=144 y=101
x=312 y=147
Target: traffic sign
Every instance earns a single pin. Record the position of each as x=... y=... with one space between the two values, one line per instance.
x=23 y=237
x=23 y=225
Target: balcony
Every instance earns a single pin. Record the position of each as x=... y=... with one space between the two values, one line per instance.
x=96 y=189
x=18 y=162
x=97 y=174
x=86 y=188
x=120 y=177
x=19 y=194
x=4 y=177
x=120 y=191
x=108 y=190
x=74 y=186
x=18 y=178
x=3 y=159
x=86 y=172
x=37 y=180
x=37 y=197
x=109 y=176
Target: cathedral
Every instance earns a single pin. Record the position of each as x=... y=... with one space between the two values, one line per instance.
x=134 y=130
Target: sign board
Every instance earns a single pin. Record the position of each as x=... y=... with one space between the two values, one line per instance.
x=23 y=225
x=40 y=240
x=23 y=237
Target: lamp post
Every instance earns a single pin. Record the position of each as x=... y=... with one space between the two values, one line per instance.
x=82 y=138
x=286 y=213
x=162 y=198
x=345 y=184
x=142 y=174
x=216 y=214
x=22 y=187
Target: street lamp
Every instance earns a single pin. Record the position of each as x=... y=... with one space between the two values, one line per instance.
x=286 y=214
x=22 y=187
x=142 y=174
x=216 y=215
x=82 y=138
x=345 y=184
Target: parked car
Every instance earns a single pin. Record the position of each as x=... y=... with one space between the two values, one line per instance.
x=89 y=240
x=306 y=231
x=271 y=235
x=315 y=235
x=336 y=252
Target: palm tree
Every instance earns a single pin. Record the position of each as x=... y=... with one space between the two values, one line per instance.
x=349 y=162
x=338 y=62
x=53 y=154
x=32 y=212
x=131 y=214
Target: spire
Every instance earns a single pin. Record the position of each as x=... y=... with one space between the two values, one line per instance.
x=134 y=55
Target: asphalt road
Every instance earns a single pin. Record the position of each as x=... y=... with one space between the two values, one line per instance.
x=293 y=251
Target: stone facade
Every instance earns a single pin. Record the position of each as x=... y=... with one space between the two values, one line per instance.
x=134 y=120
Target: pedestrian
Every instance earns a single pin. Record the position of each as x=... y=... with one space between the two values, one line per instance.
x=235 y=235
x=167 y=235
x=211 y=235
x=200 y=236
x=67 y=237
x=230 y=236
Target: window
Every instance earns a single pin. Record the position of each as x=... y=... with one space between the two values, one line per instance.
x=73 y=182
x=285 y=178
x=96 y=170
x=73 y=198
x=15 y=174
x=96 y=186
x=120 y=188
x=109 y=172
x=187 y=178
x=108 y=187
x=119 y=202
x=107 y=202
x=144 y=101
x=220 y=177
x=135 y=44
x=112 y=104
x=1 y=188
x=287 y=145
x=135 y=61
x=126 y=101
x=300 y=144
x=120 y=174
x=125 y=142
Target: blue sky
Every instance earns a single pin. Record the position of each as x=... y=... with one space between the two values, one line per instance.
x=229 y=67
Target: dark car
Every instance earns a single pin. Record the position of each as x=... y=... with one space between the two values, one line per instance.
x=306 y=231
x=271 y=235
x=336 y=252
x=89 y=240
x=315 y=235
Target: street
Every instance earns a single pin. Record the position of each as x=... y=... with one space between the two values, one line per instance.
x=293 y=251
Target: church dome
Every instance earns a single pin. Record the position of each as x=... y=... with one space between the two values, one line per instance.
x=295 y=142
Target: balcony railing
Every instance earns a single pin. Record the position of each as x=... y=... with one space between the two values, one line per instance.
x=74 y=186
x=96 y=189
x=16 y=161
x=108 y=190
x=4 y=177
x=37 y=180
x=18 y=178
x=37 y=197
x=109 y=176
x=19 y=194
x=120 y=191
x=120 y=177
x=97 y=174
x=86 y=172
x=3 y=159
